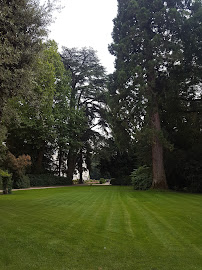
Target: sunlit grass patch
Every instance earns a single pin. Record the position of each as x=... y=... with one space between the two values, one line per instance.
x=100 y=227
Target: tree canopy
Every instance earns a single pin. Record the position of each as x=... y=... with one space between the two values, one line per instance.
x=23 y=25
x=60 y=113
x=88 y=84
x=157 y=49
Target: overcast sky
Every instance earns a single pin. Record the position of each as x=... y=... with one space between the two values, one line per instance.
x=86 y=23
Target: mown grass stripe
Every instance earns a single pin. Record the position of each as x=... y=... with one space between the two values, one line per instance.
x=100 y=227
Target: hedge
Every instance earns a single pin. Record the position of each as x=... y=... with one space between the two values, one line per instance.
x=40 y=180
x=121 y=181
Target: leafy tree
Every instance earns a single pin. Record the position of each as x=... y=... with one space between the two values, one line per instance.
x=23 y=25
x=88 y=83
x=111 y=161
x=18 y=168
x=157 y=49
x=182 y=123
x=37 y=129
x=61 y=113
x=18 y=164
x=5 y=182
x=3 y=150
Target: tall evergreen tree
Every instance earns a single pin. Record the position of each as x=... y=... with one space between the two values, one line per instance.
x=86 y=101
x=153 y=53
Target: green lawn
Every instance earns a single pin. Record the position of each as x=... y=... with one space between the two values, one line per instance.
x=100 y=227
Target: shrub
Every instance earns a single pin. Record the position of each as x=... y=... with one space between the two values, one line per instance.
x=113 y=181
x=75 y=181
x=141 y=178
x=193 y=175
x=22 y=181
x=102 y=181
x=40 y=180
x=6 y=182
x=121 y=181
x=18 y=168
x=19 y=164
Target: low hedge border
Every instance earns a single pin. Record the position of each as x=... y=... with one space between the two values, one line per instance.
x=45 y=180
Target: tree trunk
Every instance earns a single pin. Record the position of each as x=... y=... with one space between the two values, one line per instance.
x=39 y=163
x=159 y=177
x=60 y=161
x=71 y=163
x=0 y=115
x=5 y=185
x=80 y=165
x=1 y=109
x=81 y=177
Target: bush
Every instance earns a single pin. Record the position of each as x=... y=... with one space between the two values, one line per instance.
x=121 y=181
x=22 y=181
x=113 y=181
x=184 y=169
x=40 y=180
x=193 y=175
x=75 y=181
x=18 y=165
x=141 y=178
x=102 y=181
x=6 y=182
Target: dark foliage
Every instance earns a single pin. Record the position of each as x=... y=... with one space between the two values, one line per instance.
x=142 y=178
x=119 y=166
x=124 y=180
x=155 y=93
x=22 y=29
x=21 y=181
x=6 y=182
x=40 y=180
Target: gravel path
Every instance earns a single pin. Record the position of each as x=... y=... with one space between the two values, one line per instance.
x=105 y=184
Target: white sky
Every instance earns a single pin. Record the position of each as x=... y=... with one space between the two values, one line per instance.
x=86 y=23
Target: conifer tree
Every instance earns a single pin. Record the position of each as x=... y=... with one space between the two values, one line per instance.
x=157 y=46
x=88 y=83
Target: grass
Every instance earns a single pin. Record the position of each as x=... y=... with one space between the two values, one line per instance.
x=100 y=227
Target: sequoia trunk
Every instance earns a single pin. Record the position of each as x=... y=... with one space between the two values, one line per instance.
x=159 y=177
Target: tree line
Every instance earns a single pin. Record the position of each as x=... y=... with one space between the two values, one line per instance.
x=61 y=112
